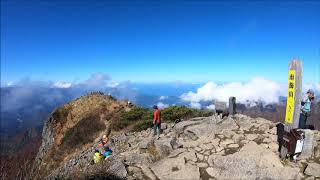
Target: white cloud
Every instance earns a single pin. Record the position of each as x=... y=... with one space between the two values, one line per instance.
x=61 y=84
x=97 y=80
x=162 y=105
x=163 y=97
x=10 y=83
x=211 y=107
x=195 y=105
x=113 y=84
x=258 y=89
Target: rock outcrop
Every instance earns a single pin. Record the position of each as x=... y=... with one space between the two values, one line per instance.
x=200 y=148
x=71 y=130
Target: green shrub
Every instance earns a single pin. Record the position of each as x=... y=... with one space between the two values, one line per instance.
x=175 y=112
x=141 y=118
x=134 y=114
x=182 y=112
x=142 y=125
x=132 y=117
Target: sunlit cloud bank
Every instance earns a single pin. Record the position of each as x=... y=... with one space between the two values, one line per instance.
x=61 y=84
x=256 y=90
x=163 y=97
x=162 y=105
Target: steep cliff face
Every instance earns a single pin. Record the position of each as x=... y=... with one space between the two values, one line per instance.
x=74 y=126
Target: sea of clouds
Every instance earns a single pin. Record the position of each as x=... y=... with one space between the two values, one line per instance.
x=256 y=90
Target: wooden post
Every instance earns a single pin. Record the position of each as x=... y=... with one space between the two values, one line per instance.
x=295 y=65
x=293 y=99
x=232 y=106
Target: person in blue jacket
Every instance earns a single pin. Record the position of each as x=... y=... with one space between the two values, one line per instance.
x=305 y=110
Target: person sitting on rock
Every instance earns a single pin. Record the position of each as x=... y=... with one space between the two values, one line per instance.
x=107 y=153
x=97 y=156
x=156 y=121
x=104 y=142
x=305 y=108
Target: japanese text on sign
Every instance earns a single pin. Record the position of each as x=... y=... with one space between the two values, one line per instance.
x=290 y=98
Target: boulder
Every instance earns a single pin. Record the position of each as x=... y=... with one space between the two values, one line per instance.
x=228 y=133
x=233 y=145
x=228 y=124
x=237 y=138
x=202 y=165
x=273 y=146
x=313 y=169
x=200 y=157
x=251 y=137
x=164 y=146
x=272 y=131
x=226 y=142
x=144 y=144
x=189 y=156
x=176 y=168
x=147 y=172
x=208 y=146
x=164 y=126
x=308 y=145
x=317 y=151
x=264 y=127
x=252 y=162
x=135 y=158
x=179 y=128
x=198 y=149
x=109 y=169
x=205 y=129
x=212 y=172
x=176 y=152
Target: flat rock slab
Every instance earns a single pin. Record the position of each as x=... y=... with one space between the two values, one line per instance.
x=233 y=145
x=176 y=168
x=179 y=128
x=114 y=168
x=145 y=143
x=251 y=137
x=252 y=162
x=205 y=129
x=313 y=169
x=176 y=152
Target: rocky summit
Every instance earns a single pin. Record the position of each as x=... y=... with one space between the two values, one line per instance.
x=205 y=148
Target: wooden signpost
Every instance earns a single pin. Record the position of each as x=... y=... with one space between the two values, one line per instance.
x=232 y=106
x=293 y=99
x=294 y=95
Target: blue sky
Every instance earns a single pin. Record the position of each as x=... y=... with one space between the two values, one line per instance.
x=145 y=41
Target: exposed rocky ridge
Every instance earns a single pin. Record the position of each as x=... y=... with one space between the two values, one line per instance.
x=198 y=148
x=86 y=117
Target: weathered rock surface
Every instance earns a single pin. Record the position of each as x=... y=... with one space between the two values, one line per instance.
x=177 y=167
x=251 y=162
x=199 y=148
x=313 y=169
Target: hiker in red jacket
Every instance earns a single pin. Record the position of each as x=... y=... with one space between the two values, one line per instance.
x=156 y=121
